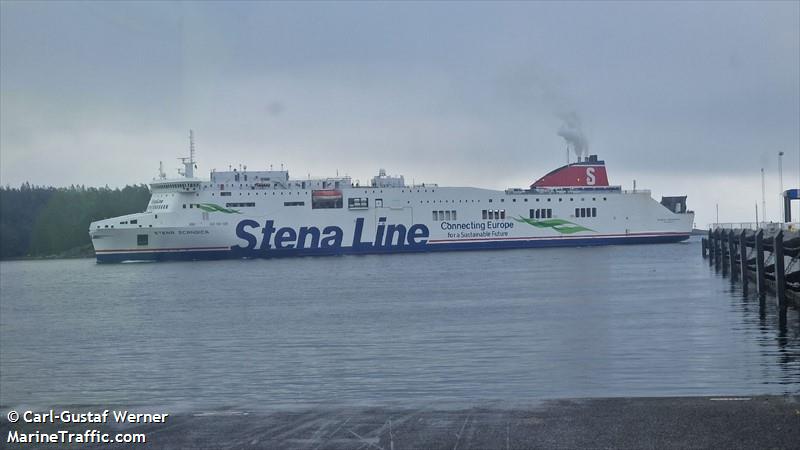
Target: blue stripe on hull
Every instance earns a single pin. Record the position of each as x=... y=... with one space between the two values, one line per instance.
x=489 y=245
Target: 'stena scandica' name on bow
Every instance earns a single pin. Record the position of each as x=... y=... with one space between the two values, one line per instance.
x=330 y=237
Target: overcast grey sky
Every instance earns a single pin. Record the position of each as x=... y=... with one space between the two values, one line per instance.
x=686 y=98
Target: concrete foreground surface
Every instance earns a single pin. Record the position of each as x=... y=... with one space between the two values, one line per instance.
x=681 y=422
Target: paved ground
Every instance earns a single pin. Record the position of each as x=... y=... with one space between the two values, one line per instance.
x=695 y=422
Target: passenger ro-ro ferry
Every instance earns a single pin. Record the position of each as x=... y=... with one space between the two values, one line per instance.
x=249 y=214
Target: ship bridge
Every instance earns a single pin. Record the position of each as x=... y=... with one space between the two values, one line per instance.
x=176 y=185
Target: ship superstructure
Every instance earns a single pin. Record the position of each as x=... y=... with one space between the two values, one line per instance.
x=245 y=214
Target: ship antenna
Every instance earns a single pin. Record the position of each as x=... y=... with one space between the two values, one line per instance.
x=161 y=173
x=191 y=146
x=188 y=163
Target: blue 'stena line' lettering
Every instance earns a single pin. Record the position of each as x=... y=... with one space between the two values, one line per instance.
x=387 y=236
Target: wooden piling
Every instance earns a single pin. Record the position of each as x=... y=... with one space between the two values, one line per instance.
x=760 y=280
x=710 y=247
x=732 y=255
x=716 y=249
x=780 y=276
x=723 y=251
x=743 y=260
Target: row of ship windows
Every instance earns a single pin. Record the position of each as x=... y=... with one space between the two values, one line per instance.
x=159 y=206
x=493 y=214
x=502 y=200
x=547 y=213
x=227 y=205
x=541 y=213
x=134 y=222
x=228 y=193
x=445 y=215
x=560 y=199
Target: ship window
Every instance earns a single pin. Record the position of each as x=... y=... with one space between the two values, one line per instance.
x=535 y=214
x=436 y=215
x=225 y=194
x=594 y=212
x=141 y=239
x=379 y=203
x=484 y=214
x=502 y=213
x=294 y=203
x=447 y=215
x=577 y=212
x=490 y=200
x=560 y=199
x=357 y=202
x=134 y=221
x=441 y=215
x=454 y=216
x=549 y=199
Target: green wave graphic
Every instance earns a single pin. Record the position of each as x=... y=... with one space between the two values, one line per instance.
x=560 y=225
x=211 y=207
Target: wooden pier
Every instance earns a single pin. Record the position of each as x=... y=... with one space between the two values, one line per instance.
x=767 y=256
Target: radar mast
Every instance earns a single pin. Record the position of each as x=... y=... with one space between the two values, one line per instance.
x=188 y=163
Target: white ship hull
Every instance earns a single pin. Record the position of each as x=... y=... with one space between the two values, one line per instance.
x=210 y=220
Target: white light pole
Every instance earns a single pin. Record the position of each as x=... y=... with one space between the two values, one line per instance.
x=780 y=182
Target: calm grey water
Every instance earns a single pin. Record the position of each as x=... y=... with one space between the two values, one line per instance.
x=401 y=330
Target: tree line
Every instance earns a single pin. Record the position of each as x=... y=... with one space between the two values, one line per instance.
x=45 y=221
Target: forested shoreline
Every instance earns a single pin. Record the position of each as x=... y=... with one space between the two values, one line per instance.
x=41 y=221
